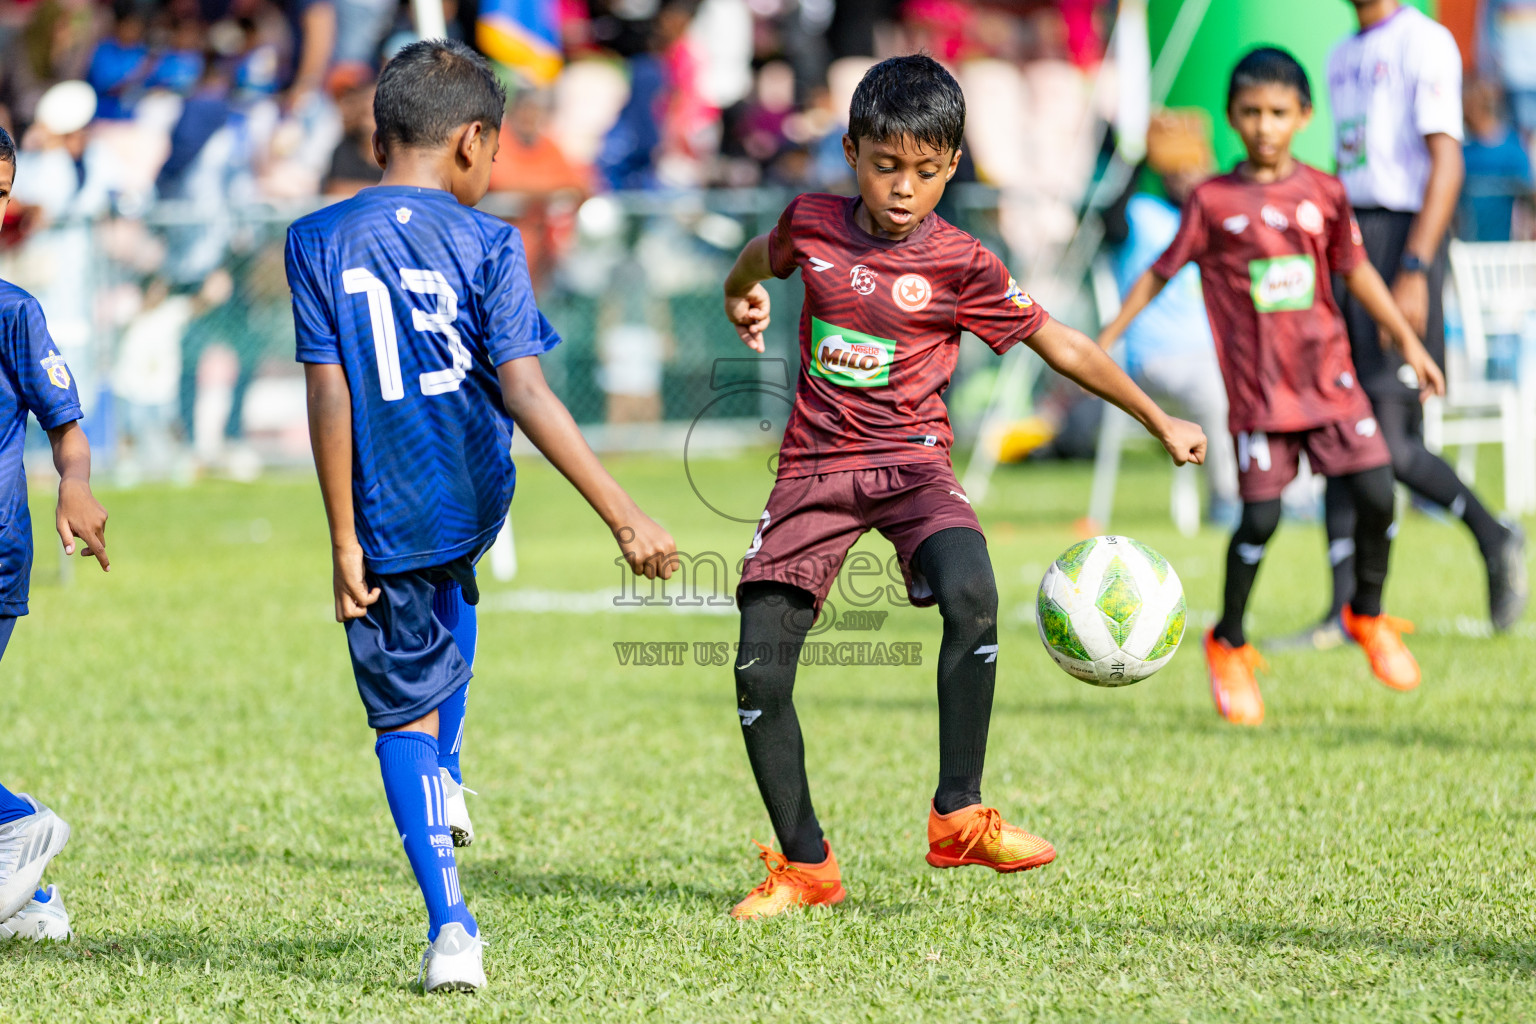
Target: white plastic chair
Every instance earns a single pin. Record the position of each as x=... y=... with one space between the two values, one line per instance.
x=1184 y=496
x=1495 y=290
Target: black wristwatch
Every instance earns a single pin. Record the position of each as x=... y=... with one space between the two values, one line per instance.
x=1411 y=264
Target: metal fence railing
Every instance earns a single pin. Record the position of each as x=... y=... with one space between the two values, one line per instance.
x=178 y=326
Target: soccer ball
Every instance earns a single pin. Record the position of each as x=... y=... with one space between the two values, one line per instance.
x=1110 y=611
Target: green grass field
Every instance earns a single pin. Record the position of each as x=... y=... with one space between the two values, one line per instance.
x=1365 y=855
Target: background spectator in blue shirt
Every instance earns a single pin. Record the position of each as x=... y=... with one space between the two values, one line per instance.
x=1169 y=350
x=120 y=63
x=1498 y=167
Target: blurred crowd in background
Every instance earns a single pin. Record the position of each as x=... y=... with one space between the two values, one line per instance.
x=641 y=94
x=165 y=144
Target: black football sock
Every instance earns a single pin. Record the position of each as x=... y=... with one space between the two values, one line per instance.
x=956 y=566
x=1339 y=518
x=1372 y=497
x=774 y=620
x=1429 y=475
x=1260 y=518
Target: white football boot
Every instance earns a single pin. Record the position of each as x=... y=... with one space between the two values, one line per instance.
x=26 y=846
x=452 y=963
x=39 y=922
x=455 y=810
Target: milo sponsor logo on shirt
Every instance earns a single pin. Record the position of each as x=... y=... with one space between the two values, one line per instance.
x=1284 y=282
x=848 y=358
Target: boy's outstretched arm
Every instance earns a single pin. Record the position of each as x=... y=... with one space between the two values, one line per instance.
x=79 y=514
x=544 y=418
x=1366 y=285
x=746 y=300
x=1147 y=287
x=329 y=399
x=1073 y=354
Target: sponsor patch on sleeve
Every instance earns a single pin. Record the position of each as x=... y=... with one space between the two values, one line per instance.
x=58 y=373
x=1018 y=296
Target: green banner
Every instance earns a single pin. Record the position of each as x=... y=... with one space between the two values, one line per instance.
x=1307 y=28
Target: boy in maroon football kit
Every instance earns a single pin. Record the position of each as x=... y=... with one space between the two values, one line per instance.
x=889 y=286
x=1267 y=236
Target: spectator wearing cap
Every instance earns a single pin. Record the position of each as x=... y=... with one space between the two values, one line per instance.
x=59 y=170
x=68 y=179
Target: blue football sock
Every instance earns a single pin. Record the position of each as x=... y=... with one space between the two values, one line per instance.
x=450 y=723
x=408 y=763
x=41 y=895
x=451 y=610
x=13 y=806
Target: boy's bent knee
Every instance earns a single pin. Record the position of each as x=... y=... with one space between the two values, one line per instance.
x=1373 y=491
x=765 y=676
x=972 y=599
x=1259 y=521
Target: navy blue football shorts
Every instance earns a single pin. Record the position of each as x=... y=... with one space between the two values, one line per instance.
x=404 y=659
x=7 y=626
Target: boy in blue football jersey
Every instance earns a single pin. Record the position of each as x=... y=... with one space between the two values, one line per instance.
x=417 y=326
x=35 y=379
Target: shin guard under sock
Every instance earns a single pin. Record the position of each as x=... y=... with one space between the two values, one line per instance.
x=774 y=620
x=408 y=764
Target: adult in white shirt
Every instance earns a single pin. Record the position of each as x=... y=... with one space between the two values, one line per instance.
x=1395 y=87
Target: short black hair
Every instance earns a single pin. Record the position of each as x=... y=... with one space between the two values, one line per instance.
x=432 y=87
x=1270 y=65
x=7 y=149
x=908 y=96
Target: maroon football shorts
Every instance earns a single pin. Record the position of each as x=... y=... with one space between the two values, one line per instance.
x=1266 y=462
x=812 y=521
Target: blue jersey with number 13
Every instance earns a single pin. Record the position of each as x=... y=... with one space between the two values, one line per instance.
x=419 y=299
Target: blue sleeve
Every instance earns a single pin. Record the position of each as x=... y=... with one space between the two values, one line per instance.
x=313 y=324
x=43 y=379
x=513 y=325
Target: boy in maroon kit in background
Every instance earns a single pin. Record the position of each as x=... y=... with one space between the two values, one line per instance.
x=889 y=286
x=1267 y=236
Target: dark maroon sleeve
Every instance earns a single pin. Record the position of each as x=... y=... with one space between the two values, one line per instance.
x=781 y=242
x=993 y=307
x=1346 y=249
x=1189 y=244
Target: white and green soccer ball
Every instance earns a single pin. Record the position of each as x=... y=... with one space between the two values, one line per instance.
x=1110 y=611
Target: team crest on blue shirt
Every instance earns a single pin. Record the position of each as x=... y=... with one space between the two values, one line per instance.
x=403 y=215
x=1018 y=296
x=57 y=371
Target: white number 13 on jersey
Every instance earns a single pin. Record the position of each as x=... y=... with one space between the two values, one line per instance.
x=386 y=347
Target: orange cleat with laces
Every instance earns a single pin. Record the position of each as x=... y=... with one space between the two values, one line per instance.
x=1234 y=687
x=791 y=884
x=979 y=835
x=1380 y=636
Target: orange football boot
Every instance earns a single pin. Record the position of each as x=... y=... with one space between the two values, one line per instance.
x=1233 y=685
x=1381 y=638
x=979 y=835
x=791 y=884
